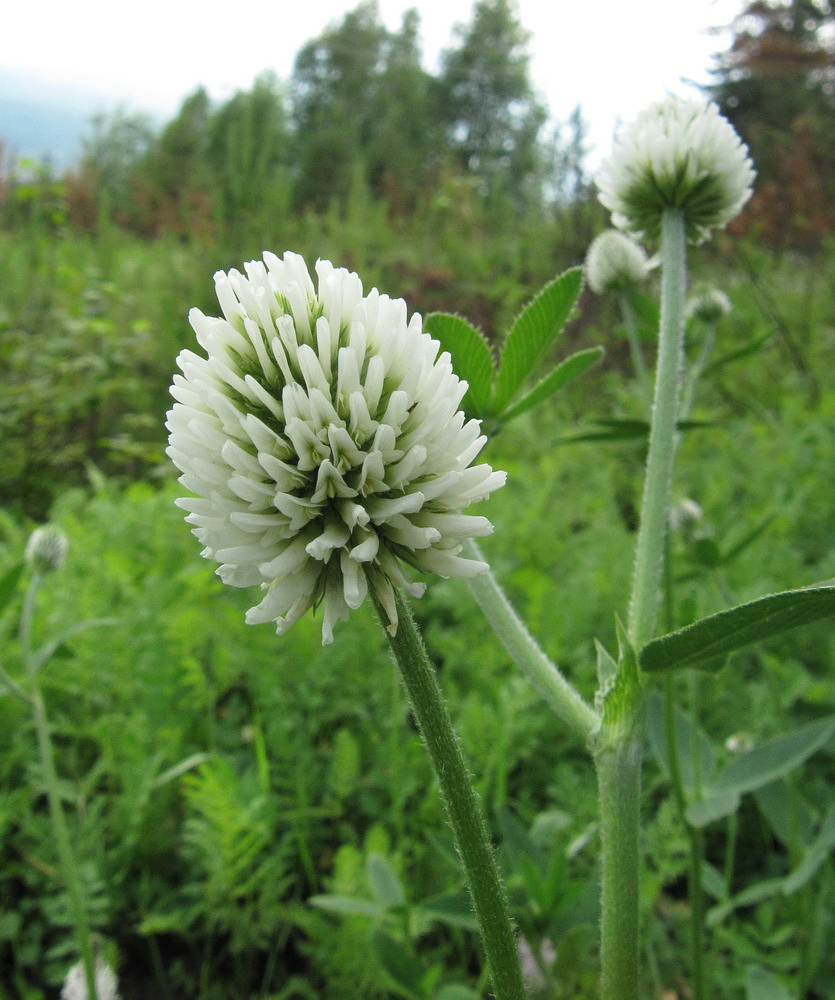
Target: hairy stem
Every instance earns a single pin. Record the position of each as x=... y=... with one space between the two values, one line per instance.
x=663 y=434
x=462 y=803
x=545 y=676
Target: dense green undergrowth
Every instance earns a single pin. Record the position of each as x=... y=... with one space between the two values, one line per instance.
x=253 y=815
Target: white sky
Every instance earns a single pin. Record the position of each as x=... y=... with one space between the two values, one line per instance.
x=611 y=57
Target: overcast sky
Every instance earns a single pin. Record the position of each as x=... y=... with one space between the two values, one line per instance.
x=611 y=57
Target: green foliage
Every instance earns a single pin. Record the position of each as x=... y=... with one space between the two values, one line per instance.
x=493 y=387
x=492 y=118
x=707 y=643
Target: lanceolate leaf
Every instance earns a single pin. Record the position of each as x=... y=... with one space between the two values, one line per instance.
x=757 y=768
x=706 y=643
x=816 y=853
x=762 y=985
x=773 y=759
x=472 y=359
x=534 y=331
x=625 y=430
x=752 y=347
x=565 y=372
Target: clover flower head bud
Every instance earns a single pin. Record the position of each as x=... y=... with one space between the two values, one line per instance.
x=615 y=263
x=75 y=985
x=678 y=154
x=323 y=439
x=684 y=514
x=46 y=549
x=708 y=304
x=739 y=743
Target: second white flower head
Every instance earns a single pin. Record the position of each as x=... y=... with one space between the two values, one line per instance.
x=323 y=439
x=679 y=154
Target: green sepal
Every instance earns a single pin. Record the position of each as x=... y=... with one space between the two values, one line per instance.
x=617 y=698
x=472 y=358
x=534 y=332
x=566 y=371
x=706 y=643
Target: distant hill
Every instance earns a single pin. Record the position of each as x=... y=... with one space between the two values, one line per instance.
x=45 y=121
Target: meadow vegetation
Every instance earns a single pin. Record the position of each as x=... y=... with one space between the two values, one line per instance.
x=253 y=816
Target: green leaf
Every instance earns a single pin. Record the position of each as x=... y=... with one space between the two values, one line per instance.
x=575 y=365
x=761 y=985
x=455 y=910
x=773 y=759
x=646 y=309
x=626 y=430
x=752 y=347
x=694 y=752
x=348 y=906
x=706 y=643
x=739 y=547
x=56 y=646
x=816 y=853
x=178 y=770
x=472 y=358
x=789 y=815
x=707 y=553
x=454 y=991
x=534 y=331
x=757 y=768
x=8 y=583
x=713 y=806
x=401 y=968
x=610 y=430
x=385 y=885
x=754 y=894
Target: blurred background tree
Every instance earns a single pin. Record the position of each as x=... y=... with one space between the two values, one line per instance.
x=776 y=83
x=492 y=117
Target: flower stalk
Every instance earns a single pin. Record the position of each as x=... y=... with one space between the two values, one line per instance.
x=545 y=676
x=649 y=555
x=66 y=859
x=461 y=801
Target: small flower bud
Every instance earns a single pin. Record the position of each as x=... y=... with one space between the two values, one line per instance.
x=677 y=154
x=739 y=743
x=708 y=304
x=615 y=263
x=684 y=513
x=46 y=549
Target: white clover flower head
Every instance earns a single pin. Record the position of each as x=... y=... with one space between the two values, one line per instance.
x=46 y=549
x=324 y=440
x=679 y=154
x=75 y=985
x=708 y=304
x=615 y=263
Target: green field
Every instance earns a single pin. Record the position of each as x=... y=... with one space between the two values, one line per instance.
x=218 y=780
x=237 y=815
